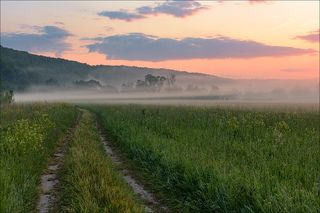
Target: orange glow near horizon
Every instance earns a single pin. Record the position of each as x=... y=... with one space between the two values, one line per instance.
x=271 y=23
x=263 y=68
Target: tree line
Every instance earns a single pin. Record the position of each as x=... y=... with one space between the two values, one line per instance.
x=151 y=82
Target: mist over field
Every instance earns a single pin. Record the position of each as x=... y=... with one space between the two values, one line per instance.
x=38 y=78
x=240 y=91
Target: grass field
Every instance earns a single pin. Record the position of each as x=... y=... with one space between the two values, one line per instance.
x=223 y=160
x=196 y=159
x=89 y=181
x=28 y=136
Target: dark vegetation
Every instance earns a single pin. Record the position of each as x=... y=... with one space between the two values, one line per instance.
x=151 y=83
x=52 y=82
x=6 y=97
x=21 y=71
x=87 y=84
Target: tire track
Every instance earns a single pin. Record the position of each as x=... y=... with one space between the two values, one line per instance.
x=147 y=197
x=49 y=178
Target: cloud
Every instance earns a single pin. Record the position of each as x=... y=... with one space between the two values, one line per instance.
x=311 y=37
x=121 y=15
x=137 y=46
x=48 y=39
x=175 y=8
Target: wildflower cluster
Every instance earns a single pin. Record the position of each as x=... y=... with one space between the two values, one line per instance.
x=25 y=135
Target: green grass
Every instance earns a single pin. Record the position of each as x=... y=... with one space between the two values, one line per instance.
x=223 y=160
x=28 y=135
x=89 y=182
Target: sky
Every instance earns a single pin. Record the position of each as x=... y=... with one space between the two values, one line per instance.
x=248 y=39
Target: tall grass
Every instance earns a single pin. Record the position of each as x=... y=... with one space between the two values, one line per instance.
x=89 y=182
x=223 y=160
x=28 y=136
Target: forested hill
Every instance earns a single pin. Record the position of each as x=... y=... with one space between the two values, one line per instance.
x=20 y=70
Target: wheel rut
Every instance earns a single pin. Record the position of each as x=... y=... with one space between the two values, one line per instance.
x=49 y=178
x=145 y=195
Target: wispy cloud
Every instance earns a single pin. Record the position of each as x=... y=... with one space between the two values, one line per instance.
x=313 y=37
x=47 y=39
x=137 y=46
x=176 y=8
x=121 y=15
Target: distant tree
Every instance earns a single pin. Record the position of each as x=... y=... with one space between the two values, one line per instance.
x=127 y=85
x=141 y=84
x=160 y=81
x=87 y=84
x=152 y=82
x=6 y=97
x=171 y=79
x=52 y=82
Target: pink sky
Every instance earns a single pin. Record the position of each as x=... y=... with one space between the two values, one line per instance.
x=285 y=24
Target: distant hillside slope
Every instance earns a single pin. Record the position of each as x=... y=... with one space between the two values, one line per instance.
x=116 y=75
x=21 y=70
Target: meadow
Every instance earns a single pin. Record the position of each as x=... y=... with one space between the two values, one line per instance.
x=29 y=134
x=216 y=159
x=193 y=158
